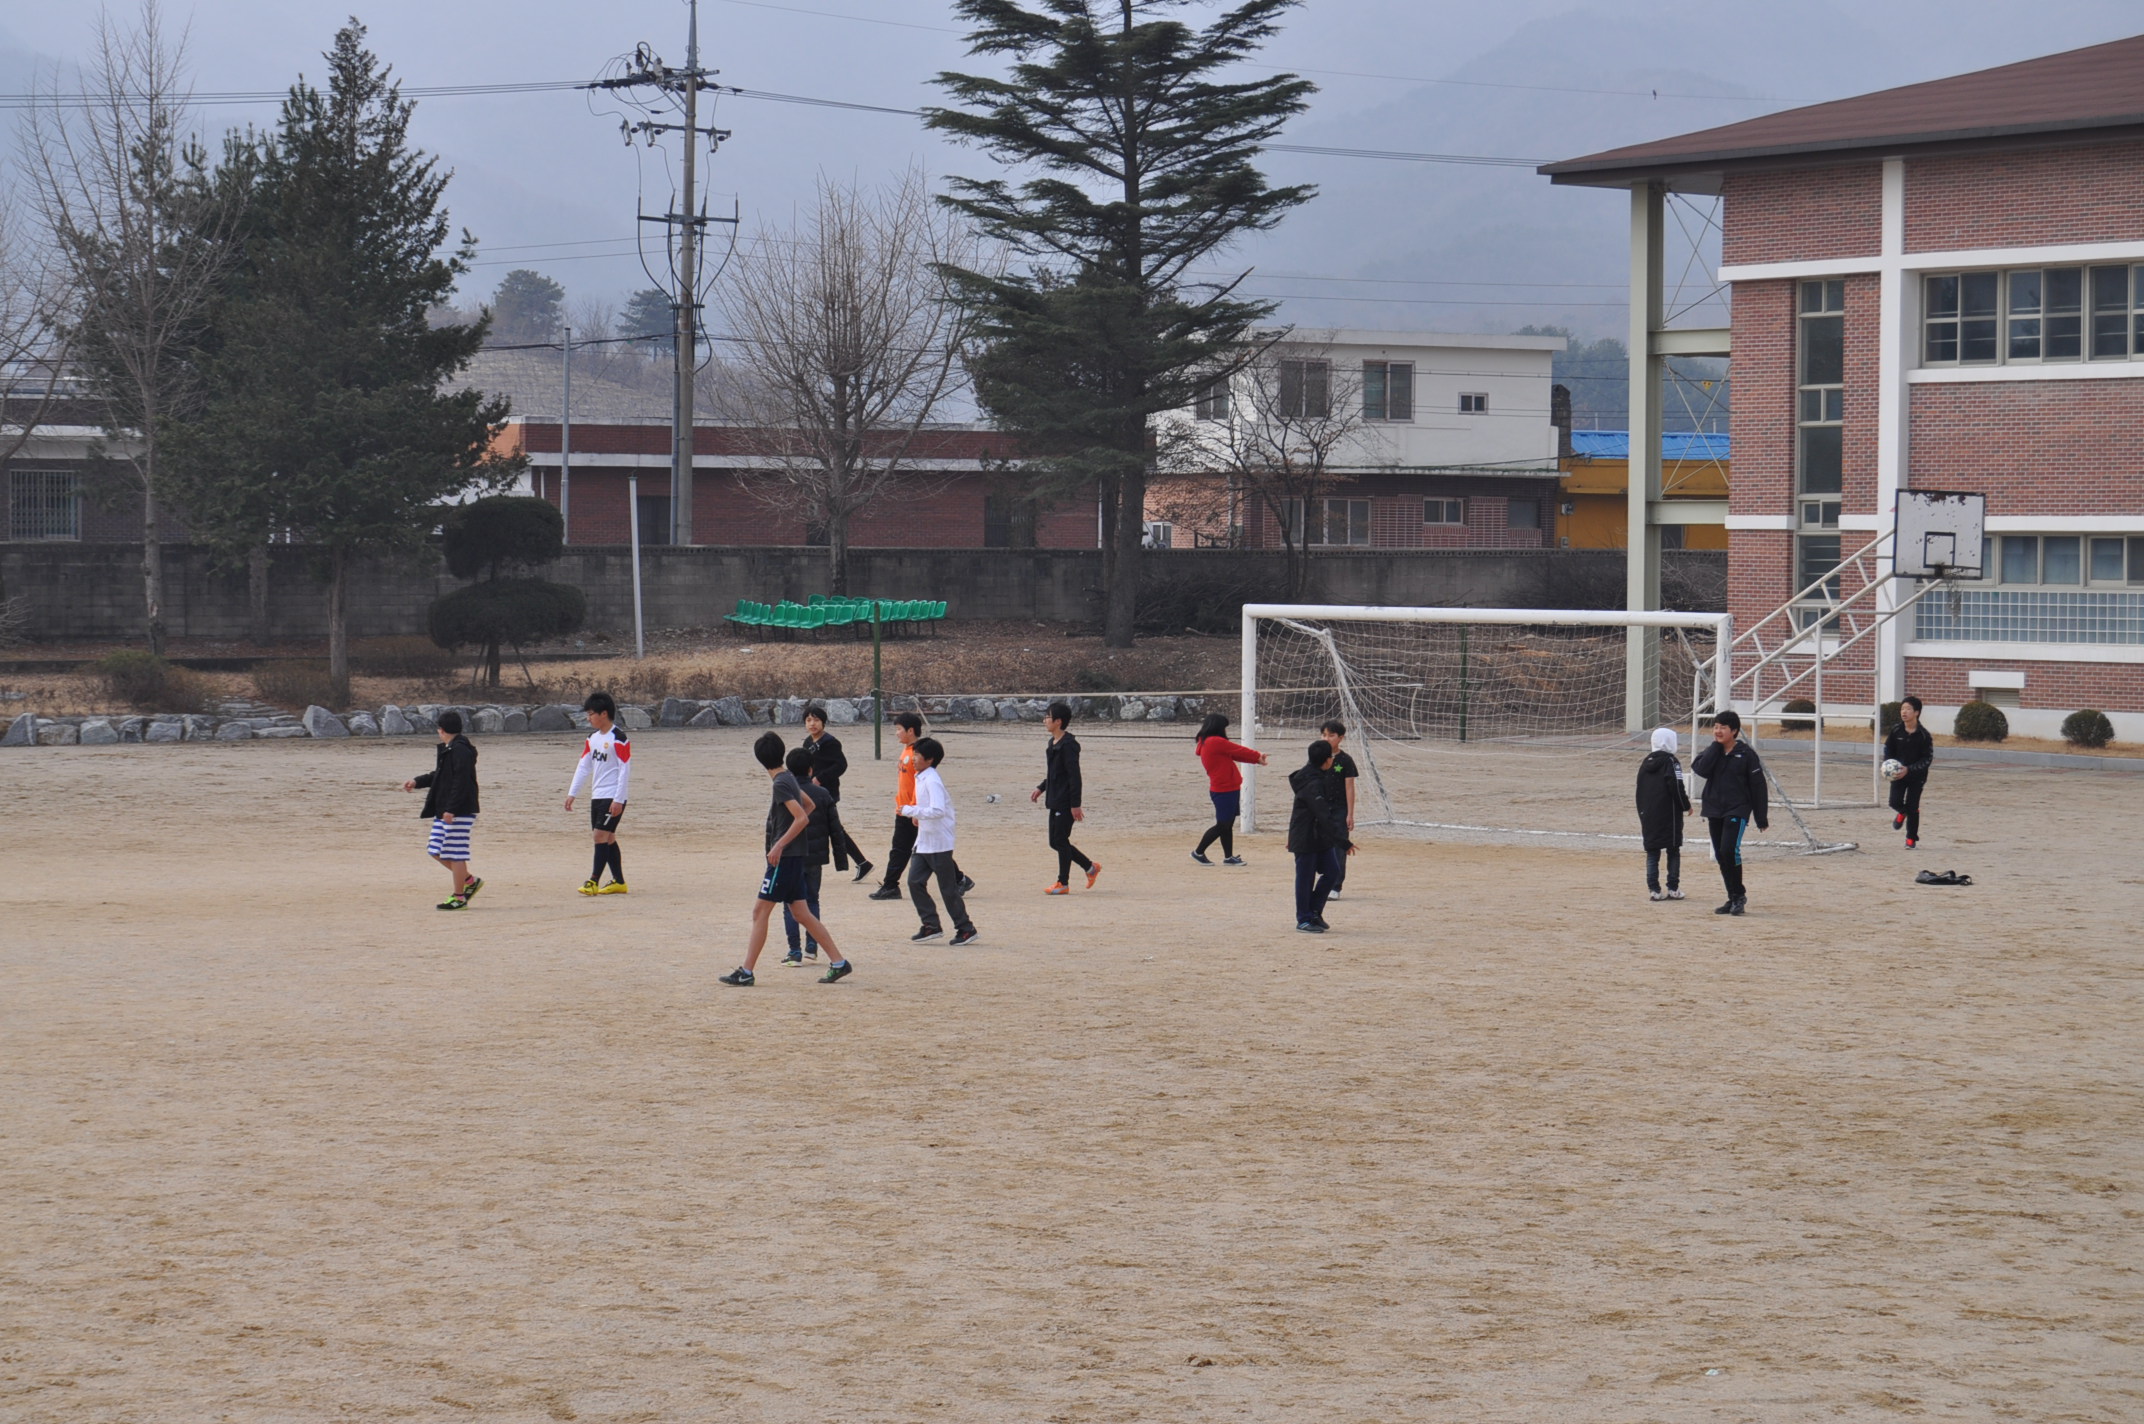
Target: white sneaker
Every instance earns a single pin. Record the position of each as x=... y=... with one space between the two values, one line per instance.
x=1674 y=895
x=1658 y=895
x=1334 y=896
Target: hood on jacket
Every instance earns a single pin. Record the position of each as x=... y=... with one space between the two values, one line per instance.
x=1665 y=740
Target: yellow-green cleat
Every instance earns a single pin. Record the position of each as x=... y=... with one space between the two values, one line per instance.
x=616 y=887
x=589 y=887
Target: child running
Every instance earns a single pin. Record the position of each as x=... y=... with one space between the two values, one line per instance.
x=1910 y=745
x=1061 y=786
x=450 y=804
x=829 y=765
x=819 y=831
x=1662 y=803
x=1734 y=798
x=1224 y=783
x=932 y=814
x=604 y=772
x=783 y=884
x=1343 y=766
x=907 y=727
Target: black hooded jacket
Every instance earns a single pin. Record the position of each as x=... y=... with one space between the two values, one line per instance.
x=451 y=783
x=1662 y=801
x=1319 y=820
x=1915 y=749
x=1734 y=783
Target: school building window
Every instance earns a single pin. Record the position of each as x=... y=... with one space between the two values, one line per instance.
x=43 y=505
x=1444 y=511
x=1347 y=521
x=1473 y=402
x=1388 y=390
x=1211 y=402
x=2033 y=315
x=1306 y=389
x=1821 y=394
x=2067 y=561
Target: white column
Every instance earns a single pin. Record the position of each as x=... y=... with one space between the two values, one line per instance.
x=1897 y=328
x=1641 y=690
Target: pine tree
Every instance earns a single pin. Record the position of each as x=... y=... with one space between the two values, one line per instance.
x=1142 y=164
x=528 y=307
x=324 y=414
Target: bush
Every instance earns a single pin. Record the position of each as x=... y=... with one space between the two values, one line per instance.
x=2088 y=728
x=146 y=683
x=1890 y=716
x=295 y=683
x=1980 y=722
x=418 y=658
x=508 y=531
x=1798 y=724
x=506 y=613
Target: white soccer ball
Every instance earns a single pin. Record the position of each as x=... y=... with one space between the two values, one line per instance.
x=1893 y=769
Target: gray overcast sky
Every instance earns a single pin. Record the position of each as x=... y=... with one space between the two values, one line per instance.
x=1392 y=245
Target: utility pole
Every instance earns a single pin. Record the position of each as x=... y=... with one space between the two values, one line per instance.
x=678 y=91
x=565 y=446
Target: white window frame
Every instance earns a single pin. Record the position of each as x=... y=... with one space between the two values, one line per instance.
x=1473 y=402
x=1457 y=508
x=1348 y=507
x=1210 y=402
x=1313 y=397
x=2011 y=320
x=1388 y=411
x=2131 y=577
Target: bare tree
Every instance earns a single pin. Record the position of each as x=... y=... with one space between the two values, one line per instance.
x=846 y=349
x=118 y=188
x=1282 y=430
x=33 y=359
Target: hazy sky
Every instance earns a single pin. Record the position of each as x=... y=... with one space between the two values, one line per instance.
x=544 y=181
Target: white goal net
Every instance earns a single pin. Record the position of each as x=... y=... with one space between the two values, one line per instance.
x=1490 y=725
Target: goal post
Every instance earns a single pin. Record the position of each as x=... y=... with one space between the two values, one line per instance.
x=1535 y=682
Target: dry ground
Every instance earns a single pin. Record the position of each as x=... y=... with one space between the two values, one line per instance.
x=280 y=1142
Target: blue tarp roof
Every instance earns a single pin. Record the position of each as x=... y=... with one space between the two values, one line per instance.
x=1674 y=445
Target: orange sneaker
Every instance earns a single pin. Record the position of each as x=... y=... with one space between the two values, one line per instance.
x=1060 y=888
x=1094 y=873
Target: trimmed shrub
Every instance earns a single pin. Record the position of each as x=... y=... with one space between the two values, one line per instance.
x=295 y=683
x=1980 y=722
x=2088 y=728
x=500 y=533
x=147 y=683
x=506 y=613
x=1891 y=715
x=1798 y=724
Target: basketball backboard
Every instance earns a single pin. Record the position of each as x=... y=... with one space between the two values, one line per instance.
x=1940 y=534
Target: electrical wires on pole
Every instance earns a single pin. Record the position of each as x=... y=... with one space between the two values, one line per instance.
x=668 y=100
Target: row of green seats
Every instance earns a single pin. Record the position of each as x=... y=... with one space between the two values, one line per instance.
x=825 y=612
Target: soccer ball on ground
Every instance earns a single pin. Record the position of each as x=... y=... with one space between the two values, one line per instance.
x=1893 y=768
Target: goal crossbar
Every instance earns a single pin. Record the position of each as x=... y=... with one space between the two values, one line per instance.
x=1721 y=625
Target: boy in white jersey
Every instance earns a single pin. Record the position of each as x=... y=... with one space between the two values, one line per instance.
x=605 y=772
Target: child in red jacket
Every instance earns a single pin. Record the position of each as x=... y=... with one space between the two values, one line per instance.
x=1224 y=783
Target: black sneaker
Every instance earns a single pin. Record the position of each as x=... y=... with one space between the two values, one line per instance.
x=1309 y=927
x=737 y=979
x=1737 y=907
x=836 y=972
x=1234 y=860
x=863 y=869
x=1728 y=908
x=1320 y=923
x=924 y=936
x=793 y=959
x=1200 y=857
x=967 y=885
x=966 y=936
x=887 y=892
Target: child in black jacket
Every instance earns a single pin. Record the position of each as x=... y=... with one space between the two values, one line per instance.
x=1061 y=794
x=1910 y=745
x=450 y=804
x=1662 y=803
x=1734 y=799
x=1317 y=835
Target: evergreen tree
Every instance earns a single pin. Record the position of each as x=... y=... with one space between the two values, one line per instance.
x=649 y=314
x=1141 y=164
x=324 y=414
x=528 y=307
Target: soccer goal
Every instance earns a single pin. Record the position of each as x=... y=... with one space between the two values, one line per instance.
x=1498 y=725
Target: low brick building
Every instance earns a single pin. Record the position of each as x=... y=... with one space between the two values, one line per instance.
x=1941 y=286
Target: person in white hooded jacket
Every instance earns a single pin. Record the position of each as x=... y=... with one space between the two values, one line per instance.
x=1663 y=801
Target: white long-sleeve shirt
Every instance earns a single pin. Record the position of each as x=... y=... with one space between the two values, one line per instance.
x=607 y=762
x=933 y=813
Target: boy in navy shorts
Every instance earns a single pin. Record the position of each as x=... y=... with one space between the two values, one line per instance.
x=787 y=820
x=605 y=772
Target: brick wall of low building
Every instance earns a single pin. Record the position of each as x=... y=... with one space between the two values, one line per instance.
x=1396 y=504
x=2090 y=193
x=1802 y=215
x=1761 y=420
x=2035 y=447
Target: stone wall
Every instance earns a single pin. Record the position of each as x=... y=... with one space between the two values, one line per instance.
x=93 y=591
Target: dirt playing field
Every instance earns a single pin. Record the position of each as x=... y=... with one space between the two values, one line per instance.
x=281 y=1142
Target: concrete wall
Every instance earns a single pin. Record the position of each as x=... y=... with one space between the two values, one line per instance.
x=94 y=590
